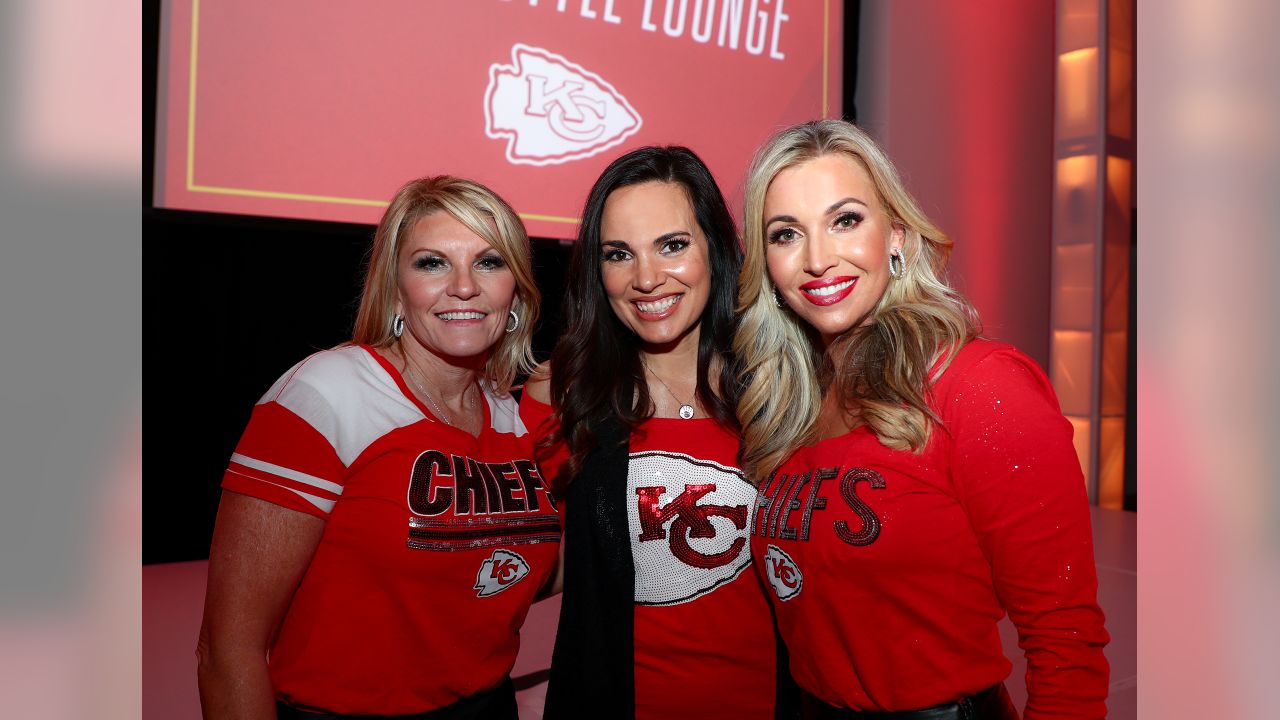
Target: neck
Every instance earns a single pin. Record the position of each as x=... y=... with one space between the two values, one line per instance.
x=449 y=378
x=678 y=359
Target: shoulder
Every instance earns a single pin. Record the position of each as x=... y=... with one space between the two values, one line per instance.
x=327 y=372
x=979 y=359
x=985 y=368
x=345 y=394
x=343 y=383
x=538 y=386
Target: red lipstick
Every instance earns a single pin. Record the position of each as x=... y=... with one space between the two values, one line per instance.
x=820 y=292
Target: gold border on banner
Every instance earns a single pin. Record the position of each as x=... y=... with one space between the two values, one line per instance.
x=334 y=200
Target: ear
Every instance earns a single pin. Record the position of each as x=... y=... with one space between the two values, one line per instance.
x=897 y=238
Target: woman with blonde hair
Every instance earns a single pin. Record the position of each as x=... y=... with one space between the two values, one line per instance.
x=916 y=482
x=384 y=528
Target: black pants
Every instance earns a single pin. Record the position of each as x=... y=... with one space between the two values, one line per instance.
x=993 y=703
x=496 y=704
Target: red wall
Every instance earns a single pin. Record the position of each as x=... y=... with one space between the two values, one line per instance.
x=961 y=95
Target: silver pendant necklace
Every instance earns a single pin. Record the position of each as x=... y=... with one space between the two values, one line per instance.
x=686 y=409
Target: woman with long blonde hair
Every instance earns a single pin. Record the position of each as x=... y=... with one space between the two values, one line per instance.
x=916 y=481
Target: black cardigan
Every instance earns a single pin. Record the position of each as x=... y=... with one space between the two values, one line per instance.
x=593 y=664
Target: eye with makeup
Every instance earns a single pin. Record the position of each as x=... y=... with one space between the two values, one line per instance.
x=430 y=263
x=783 y=236
x=615 y=255
x=492 y=261
x=847 y=220
x=672 y=246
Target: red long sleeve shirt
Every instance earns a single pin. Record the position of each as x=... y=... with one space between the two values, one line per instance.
x=890 y=569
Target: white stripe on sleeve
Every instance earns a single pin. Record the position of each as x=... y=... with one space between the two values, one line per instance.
x=285 y=472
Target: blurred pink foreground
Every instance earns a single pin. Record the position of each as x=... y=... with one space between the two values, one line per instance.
x=173 y=593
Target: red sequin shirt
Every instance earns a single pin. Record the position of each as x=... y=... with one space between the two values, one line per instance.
x=889 y=570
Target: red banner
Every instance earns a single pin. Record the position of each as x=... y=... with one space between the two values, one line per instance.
x=322 y=109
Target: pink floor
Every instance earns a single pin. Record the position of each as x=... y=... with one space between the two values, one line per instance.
x=172 y=595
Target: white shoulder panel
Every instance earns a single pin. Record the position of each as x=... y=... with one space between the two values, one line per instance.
x=504 y=411
x=347 y=397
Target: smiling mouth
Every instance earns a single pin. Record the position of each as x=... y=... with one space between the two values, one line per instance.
x=455 y=315
x=657 y=309
x=658 y=306
x=828 y=292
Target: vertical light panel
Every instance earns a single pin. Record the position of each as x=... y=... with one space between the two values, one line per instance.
x=1077 y=225
x=1093 y=181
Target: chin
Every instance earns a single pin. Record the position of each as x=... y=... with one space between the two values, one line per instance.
x=468 y=350
x=831 y=327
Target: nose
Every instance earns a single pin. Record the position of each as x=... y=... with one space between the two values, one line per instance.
x=649 y=274
x=462 y=284
x=818 y=257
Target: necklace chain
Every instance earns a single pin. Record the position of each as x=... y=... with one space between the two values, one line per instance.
x=417 y=384
x=686 y=409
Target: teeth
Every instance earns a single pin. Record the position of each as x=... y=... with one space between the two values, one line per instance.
x=830 y=289
x=657 y=307
x=461 y=315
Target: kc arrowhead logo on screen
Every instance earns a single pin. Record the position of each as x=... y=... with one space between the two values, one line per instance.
x=553 y=111
x=500 y=571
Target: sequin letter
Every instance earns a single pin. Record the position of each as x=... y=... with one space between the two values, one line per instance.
x=870 y=522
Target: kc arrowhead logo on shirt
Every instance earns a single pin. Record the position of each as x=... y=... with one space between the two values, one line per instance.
x=552 y=111
x=782 y=572
x=688 y=519
x=500 y=571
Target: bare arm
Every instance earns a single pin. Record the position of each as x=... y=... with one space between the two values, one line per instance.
x=259 y=554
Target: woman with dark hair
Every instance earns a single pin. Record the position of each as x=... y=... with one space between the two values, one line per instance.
x=635 y=415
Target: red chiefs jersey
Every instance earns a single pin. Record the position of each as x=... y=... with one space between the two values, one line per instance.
x=434 y=542
x=889 y=570
x=704 y=640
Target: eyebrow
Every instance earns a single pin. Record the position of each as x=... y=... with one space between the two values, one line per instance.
x=834 y=207
x=671 y=236
x=489 y=250
x=624 y=245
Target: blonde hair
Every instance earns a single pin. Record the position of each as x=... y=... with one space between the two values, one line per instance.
x=881 y=370
x=483 y=213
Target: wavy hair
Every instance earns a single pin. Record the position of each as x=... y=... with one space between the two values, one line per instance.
x=882 y=370
x=595 y=367
x=483 y=213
